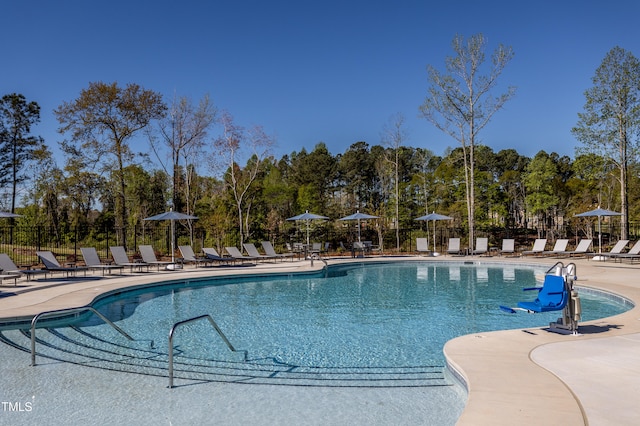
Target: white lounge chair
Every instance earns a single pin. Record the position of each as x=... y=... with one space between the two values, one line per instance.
x=51 y=264
x=538 y=247
x=92 y=260
x=422 y=245
x=149 y=257
x=482 y=246
x=615 y=251
x=581 y=249
x=508 y=246
x=558 y=248
x=454 y=246
x=120 y=258
x=632 y=254
x=268 y=249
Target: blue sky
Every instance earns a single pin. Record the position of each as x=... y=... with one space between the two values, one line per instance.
x=309 y=72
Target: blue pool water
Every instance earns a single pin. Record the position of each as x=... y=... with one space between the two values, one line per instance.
x=384 y=315
x=377 y=327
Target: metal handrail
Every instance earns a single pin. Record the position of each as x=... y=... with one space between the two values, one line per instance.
x=180 y=323
x=554 y=267
x=35 y=319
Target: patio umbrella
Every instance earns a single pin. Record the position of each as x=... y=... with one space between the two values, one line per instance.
x=172 y=216
x=434 y=216
x=358 y=216
x=307 y=217
x=7 y=214
x=599 y=212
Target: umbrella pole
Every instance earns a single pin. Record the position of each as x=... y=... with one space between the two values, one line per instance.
x=599 y=236
x=434 y=237
x=173 y=251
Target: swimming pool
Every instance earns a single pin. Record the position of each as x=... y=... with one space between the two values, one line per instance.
x=379 y=324
x=363 y=325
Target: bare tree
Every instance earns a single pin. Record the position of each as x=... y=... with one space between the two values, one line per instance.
x=610 y=122
x=460 y=104
x=183 y=132
x=230 y=146
x=394 y=135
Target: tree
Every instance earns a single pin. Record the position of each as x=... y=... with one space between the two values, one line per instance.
x=17 y=146
x=240 y=180
x=610 y=122
x=394 y=135
x=316 y=174
x=183 y=132
x=357 y=177
x=542 y=195
x=101 y=123
x=460 y=104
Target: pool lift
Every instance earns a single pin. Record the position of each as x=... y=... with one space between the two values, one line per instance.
x=556 y=294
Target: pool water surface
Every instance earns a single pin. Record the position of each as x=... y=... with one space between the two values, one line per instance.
x=378 y=315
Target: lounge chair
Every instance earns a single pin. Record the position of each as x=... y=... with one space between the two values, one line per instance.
x=581 y=249
x=538 y=247
x=508 y=246
x=359 y=246
x=558 y=248
x=149 y=257
x=552 y=296
x=482 y=246
x=252 y=251
x=454 y=246
x=9 y=274
x=51 y=264
x=120 y=258
x=316 y=249
x=212 y=254
x=10 y=268
x=237 y=255
x=632 y=254
x=92 y=261
x=422 y=245
x=616 y=250
x=188 y=256
x=269 y=250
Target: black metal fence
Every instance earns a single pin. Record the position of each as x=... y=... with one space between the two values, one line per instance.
x=22 y=242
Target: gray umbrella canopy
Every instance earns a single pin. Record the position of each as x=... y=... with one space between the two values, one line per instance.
x=7 y=214
x=358 y=216
x=172 y=216
x=307 y=217
x=434 y=216
x=599 y=213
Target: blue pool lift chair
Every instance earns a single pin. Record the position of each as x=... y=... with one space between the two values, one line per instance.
x=552 y=296
x=556 y=294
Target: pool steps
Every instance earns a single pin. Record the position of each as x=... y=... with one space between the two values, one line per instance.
x=80 y=346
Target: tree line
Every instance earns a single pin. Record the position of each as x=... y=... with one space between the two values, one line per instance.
x=129 y=154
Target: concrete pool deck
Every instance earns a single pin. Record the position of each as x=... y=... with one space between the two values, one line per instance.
x=527 y=376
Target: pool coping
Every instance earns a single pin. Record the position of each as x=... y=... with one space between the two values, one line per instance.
x=504 y=382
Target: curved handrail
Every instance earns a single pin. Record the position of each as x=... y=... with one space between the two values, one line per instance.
x=35 y=319
x=180 y=323
x=555 y=265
